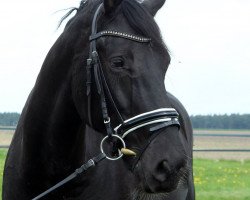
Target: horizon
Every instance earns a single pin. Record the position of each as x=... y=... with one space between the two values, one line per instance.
x=226 y=114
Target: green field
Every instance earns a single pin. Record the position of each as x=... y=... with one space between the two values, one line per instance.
x=214 y=180
x=2 y=158
x=222 y=180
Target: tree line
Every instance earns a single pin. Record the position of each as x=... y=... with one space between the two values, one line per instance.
x=9 y=119
x=233 y=121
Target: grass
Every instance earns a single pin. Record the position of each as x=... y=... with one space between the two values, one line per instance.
x=222 y=180
x=3 y=153
x=214 y=180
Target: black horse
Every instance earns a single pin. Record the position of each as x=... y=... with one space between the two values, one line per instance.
x=107 y=66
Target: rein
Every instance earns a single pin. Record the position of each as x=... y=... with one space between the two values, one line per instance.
x=91 y=163
x=160 y=118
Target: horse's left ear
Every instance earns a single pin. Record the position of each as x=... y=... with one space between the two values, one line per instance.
x=110 y=5
x=153 y=5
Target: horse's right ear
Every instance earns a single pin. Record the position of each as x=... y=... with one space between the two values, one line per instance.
x=110 y=5
x=153 y=5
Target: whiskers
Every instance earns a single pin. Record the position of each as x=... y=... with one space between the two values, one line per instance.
x=182 y=176
x=187 y=157
x=140 y=194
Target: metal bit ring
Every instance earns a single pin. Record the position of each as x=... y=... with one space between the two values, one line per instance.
x=120 y=153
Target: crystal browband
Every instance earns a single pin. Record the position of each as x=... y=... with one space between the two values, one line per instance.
x=119 y=34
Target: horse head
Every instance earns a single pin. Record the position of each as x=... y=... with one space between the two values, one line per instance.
x=133 y=61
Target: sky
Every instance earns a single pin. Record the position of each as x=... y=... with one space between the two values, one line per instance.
x=209 y=42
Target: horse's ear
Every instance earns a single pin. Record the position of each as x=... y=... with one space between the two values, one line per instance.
x=153 y=5
x=110 y=5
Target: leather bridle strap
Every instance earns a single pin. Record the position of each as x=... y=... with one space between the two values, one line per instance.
x=156 y=119
x=91 y=163
x=94 y=63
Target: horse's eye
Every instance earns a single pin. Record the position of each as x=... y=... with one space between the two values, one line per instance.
x=117 y=62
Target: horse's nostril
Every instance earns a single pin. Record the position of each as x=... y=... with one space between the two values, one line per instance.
x=166 y=176
x=165 y=166
x=162 y=171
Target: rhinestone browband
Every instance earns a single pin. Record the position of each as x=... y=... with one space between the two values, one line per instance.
x=119 y=34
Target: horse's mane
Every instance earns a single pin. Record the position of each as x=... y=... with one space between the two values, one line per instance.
x=71 y=10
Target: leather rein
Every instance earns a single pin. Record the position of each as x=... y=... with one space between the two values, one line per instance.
x=160 y=118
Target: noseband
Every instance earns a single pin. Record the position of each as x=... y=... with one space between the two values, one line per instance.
x=157 y=119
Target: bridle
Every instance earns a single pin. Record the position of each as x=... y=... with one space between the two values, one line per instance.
x=94 y=64
x=162 y=117
x=157 y=119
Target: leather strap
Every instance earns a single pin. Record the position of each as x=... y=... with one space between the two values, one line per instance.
x=91 y=163
x=165 y=124
x=94 y=62
x=146 y=117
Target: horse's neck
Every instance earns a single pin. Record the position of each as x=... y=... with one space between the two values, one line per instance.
x=50 y=122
